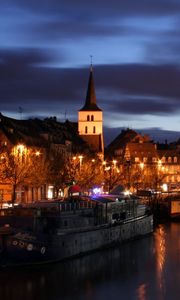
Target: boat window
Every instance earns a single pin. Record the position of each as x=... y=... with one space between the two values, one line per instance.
x=115 y=216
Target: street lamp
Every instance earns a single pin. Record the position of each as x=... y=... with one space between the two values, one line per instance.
x=37 y=153
x=114 y=163
x=20 y=152
x=159 y=164
x=164 y=187
x=20 y=148
x=80 y=160
x=141 y=165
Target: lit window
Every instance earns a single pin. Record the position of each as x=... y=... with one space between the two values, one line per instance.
x=50 y=192
x=136 y=159
x=169 y=159
x=175 y=159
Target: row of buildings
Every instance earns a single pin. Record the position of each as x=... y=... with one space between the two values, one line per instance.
x=142 y=159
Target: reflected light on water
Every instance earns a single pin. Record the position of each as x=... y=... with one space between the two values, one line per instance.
x=141 y=292
x=160 y=249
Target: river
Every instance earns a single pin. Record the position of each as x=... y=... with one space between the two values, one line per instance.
x=148 y=268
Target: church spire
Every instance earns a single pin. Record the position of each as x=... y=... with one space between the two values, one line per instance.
x=90 y=104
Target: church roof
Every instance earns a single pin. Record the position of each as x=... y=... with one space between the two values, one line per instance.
x=90 y=104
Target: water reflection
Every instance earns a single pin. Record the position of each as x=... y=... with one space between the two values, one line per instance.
x=141 y=292
x=144 y=269
x=160 y=251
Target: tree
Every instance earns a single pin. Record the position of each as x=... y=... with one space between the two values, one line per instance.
x=66 y=170
x=113 y=176
x=15 y=167
x=154 y=176
x=61 y=171
x=21 y=166
x=89 y=173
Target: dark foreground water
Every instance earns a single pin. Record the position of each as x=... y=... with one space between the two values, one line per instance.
x=144 y=269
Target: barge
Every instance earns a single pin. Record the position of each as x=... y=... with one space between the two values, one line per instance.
x=53 y=231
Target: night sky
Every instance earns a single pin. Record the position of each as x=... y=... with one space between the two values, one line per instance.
x=45 y=48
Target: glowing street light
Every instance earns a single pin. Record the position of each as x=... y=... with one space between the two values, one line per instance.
x=164 y=187
x=80 y=160
x=114 y=162
x=37 y=153
x=159 y=163
x=20 y=152
x=19 y=149
x=141 y=165
x=107 y=168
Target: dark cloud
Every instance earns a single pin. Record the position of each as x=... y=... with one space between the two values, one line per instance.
x=129 y=89
x=54 y=30
x=144 y=105
x=22 y=57
x=164 y=47
x=141 y=79
x=23 y=78
x=101 y=7
x=69 y=19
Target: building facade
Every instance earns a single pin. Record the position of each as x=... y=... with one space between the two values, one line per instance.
x=146 y=165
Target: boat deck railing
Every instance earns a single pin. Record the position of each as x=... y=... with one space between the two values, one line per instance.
x=46 y=207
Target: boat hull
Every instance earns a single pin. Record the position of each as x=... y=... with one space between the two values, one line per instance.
x=26 y=248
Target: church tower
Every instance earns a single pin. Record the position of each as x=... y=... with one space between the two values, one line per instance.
x=90 y=120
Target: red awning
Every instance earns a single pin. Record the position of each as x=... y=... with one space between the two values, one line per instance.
x=74 y=189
